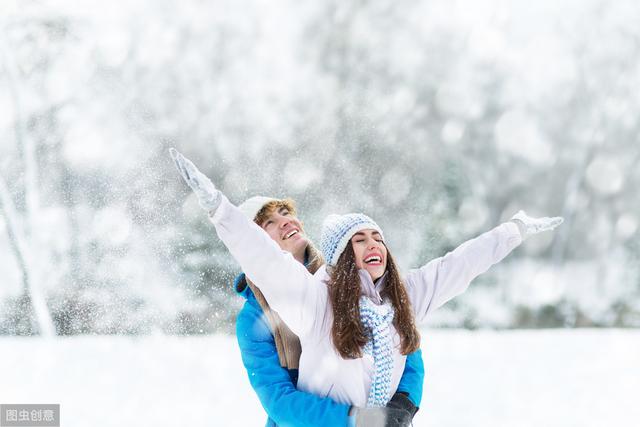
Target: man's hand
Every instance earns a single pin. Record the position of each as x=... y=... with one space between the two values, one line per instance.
x=529 y=225
x=208 y=195
x=379 y=417
x=400 y=400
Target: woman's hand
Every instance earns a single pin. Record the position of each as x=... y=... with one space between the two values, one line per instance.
x=207 y=193
x=379 y=417
x=529 y=225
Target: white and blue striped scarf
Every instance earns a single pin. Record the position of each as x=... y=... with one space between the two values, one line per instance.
x=376 y=319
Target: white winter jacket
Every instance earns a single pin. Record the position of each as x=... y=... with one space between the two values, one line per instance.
x=301 y=299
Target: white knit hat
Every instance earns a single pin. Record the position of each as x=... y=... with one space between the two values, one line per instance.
x=337 y=230
x=252 y=206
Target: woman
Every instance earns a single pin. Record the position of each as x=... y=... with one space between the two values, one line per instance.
x=271 y=352
x=355 y=317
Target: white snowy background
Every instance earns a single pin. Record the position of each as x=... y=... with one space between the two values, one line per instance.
x=438 y=118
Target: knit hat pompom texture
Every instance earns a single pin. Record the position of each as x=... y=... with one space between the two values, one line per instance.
x=337 y=230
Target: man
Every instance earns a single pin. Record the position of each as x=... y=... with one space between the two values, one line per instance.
x=271 y=352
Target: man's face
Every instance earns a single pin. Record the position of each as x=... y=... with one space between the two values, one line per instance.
x=286 y=229
x=370 y=252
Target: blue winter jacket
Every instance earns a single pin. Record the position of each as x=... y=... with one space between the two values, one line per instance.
x=276 y=386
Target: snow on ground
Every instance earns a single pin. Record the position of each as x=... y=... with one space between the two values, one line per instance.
x=486 y=378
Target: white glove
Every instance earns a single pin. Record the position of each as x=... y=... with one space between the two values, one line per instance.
x=379 y=417
x=529 y=225
x=208 y=195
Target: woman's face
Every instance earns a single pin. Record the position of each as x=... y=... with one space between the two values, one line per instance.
x=286 y=230
x=370 y=252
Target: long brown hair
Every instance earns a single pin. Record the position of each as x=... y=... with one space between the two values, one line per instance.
x=348 y=334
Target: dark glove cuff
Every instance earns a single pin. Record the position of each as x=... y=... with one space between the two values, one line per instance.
x=401 y=400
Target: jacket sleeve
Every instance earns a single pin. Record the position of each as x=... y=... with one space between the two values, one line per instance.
x=286 y=284
x=412 y=378
x=444 y=278
x=284 y=404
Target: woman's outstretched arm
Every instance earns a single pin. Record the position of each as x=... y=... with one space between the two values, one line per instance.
x=290 y=289
x=444 y=278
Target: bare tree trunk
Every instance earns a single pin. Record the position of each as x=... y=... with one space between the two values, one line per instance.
x=19 y=248
x=23 y=245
